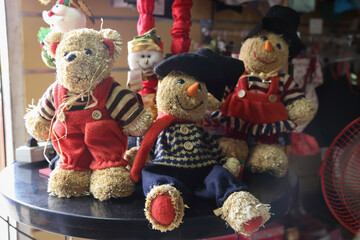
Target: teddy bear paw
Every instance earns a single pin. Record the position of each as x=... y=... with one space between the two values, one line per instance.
x=232 y=147
x=268 y=158
x=68 y=183
x=111 y=182
x=164 y=207
x=244 y=213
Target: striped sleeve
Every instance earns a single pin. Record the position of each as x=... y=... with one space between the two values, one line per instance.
x=123 y=105
x=46 y=103
x=291 y=90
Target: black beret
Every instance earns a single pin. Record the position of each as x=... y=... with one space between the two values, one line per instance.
x=206 y=66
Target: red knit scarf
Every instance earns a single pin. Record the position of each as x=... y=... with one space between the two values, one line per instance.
x=147 y=143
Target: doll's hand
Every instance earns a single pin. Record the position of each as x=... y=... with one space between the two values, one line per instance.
x=37 y=126
x=131 y=154
x=233 y=148
x=301 y=111
x=233 y=165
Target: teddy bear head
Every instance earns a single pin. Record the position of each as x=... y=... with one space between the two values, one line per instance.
x=186 y=79
x=269 y=46
x=83 y=57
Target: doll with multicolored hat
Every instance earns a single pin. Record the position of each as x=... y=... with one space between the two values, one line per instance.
x=144 y=52
x=267 y=104
x=64 y=16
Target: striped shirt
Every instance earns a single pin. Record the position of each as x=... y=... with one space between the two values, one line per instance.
x=123 y=105
x=288 y=89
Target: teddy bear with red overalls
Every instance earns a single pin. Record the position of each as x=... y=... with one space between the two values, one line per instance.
x=88 y=116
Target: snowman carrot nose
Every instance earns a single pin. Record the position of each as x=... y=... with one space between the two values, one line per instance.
x=146 y=61
x=268 y=46
x=192 y=90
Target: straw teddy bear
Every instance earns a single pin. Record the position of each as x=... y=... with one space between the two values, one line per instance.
x=88 y=116
x=187 y=161
x=266 y=104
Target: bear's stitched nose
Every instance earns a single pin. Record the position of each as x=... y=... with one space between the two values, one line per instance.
x=71 y=57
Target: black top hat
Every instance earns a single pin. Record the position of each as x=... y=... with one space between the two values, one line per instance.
x=285 y=21
x=215 y=70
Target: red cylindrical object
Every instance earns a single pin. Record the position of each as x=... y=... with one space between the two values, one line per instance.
x=146 y=20
x=181 y=27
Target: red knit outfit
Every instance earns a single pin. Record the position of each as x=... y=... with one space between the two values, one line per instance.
x=85 y=140
x=255 y=108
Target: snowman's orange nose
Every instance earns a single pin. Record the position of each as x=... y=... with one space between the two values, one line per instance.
x=268 y=46
x=192 y=90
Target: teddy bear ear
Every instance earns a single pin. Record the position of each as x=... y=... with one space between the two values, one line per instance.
x=51 y=41
x=113 y=41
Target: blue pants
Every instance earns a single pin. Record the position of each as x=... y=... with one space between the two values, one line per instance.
x=212 y=182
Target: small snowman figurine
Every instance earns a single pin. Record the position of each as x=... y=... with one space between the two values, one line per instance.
x=64 y=16
x=144 y=53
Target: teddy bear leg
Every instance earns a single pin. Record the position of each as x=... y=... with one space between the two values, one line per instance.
x=243 y=212
x=68 y=183
x=164 y=207
x=111 y=182
x=268 y=158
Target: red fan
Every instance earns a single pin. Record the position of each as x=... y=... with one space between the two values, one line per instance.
x=340 y=177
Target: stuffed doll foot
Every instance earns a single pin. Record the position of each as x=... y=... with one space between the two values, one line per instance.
x=111 y=182
x=244 y=213
x=268 y=158
x=69 y=183
x=164 y=208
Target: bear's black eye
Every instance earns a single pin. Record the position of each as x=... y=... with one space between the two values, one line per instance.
x=278 y=46
x=199 y=86
x=66 y=53
x=88 y=51
x=181 y=81
x=264 y=38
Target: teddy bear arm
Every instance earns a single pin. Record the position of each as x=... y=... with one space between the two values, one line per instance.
x=37 y=126
x=38 y=117
x=140 y=124
x=301 y=111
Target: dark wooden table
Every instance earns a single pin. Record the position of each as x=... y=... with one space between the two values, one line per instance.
x=23 y=197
